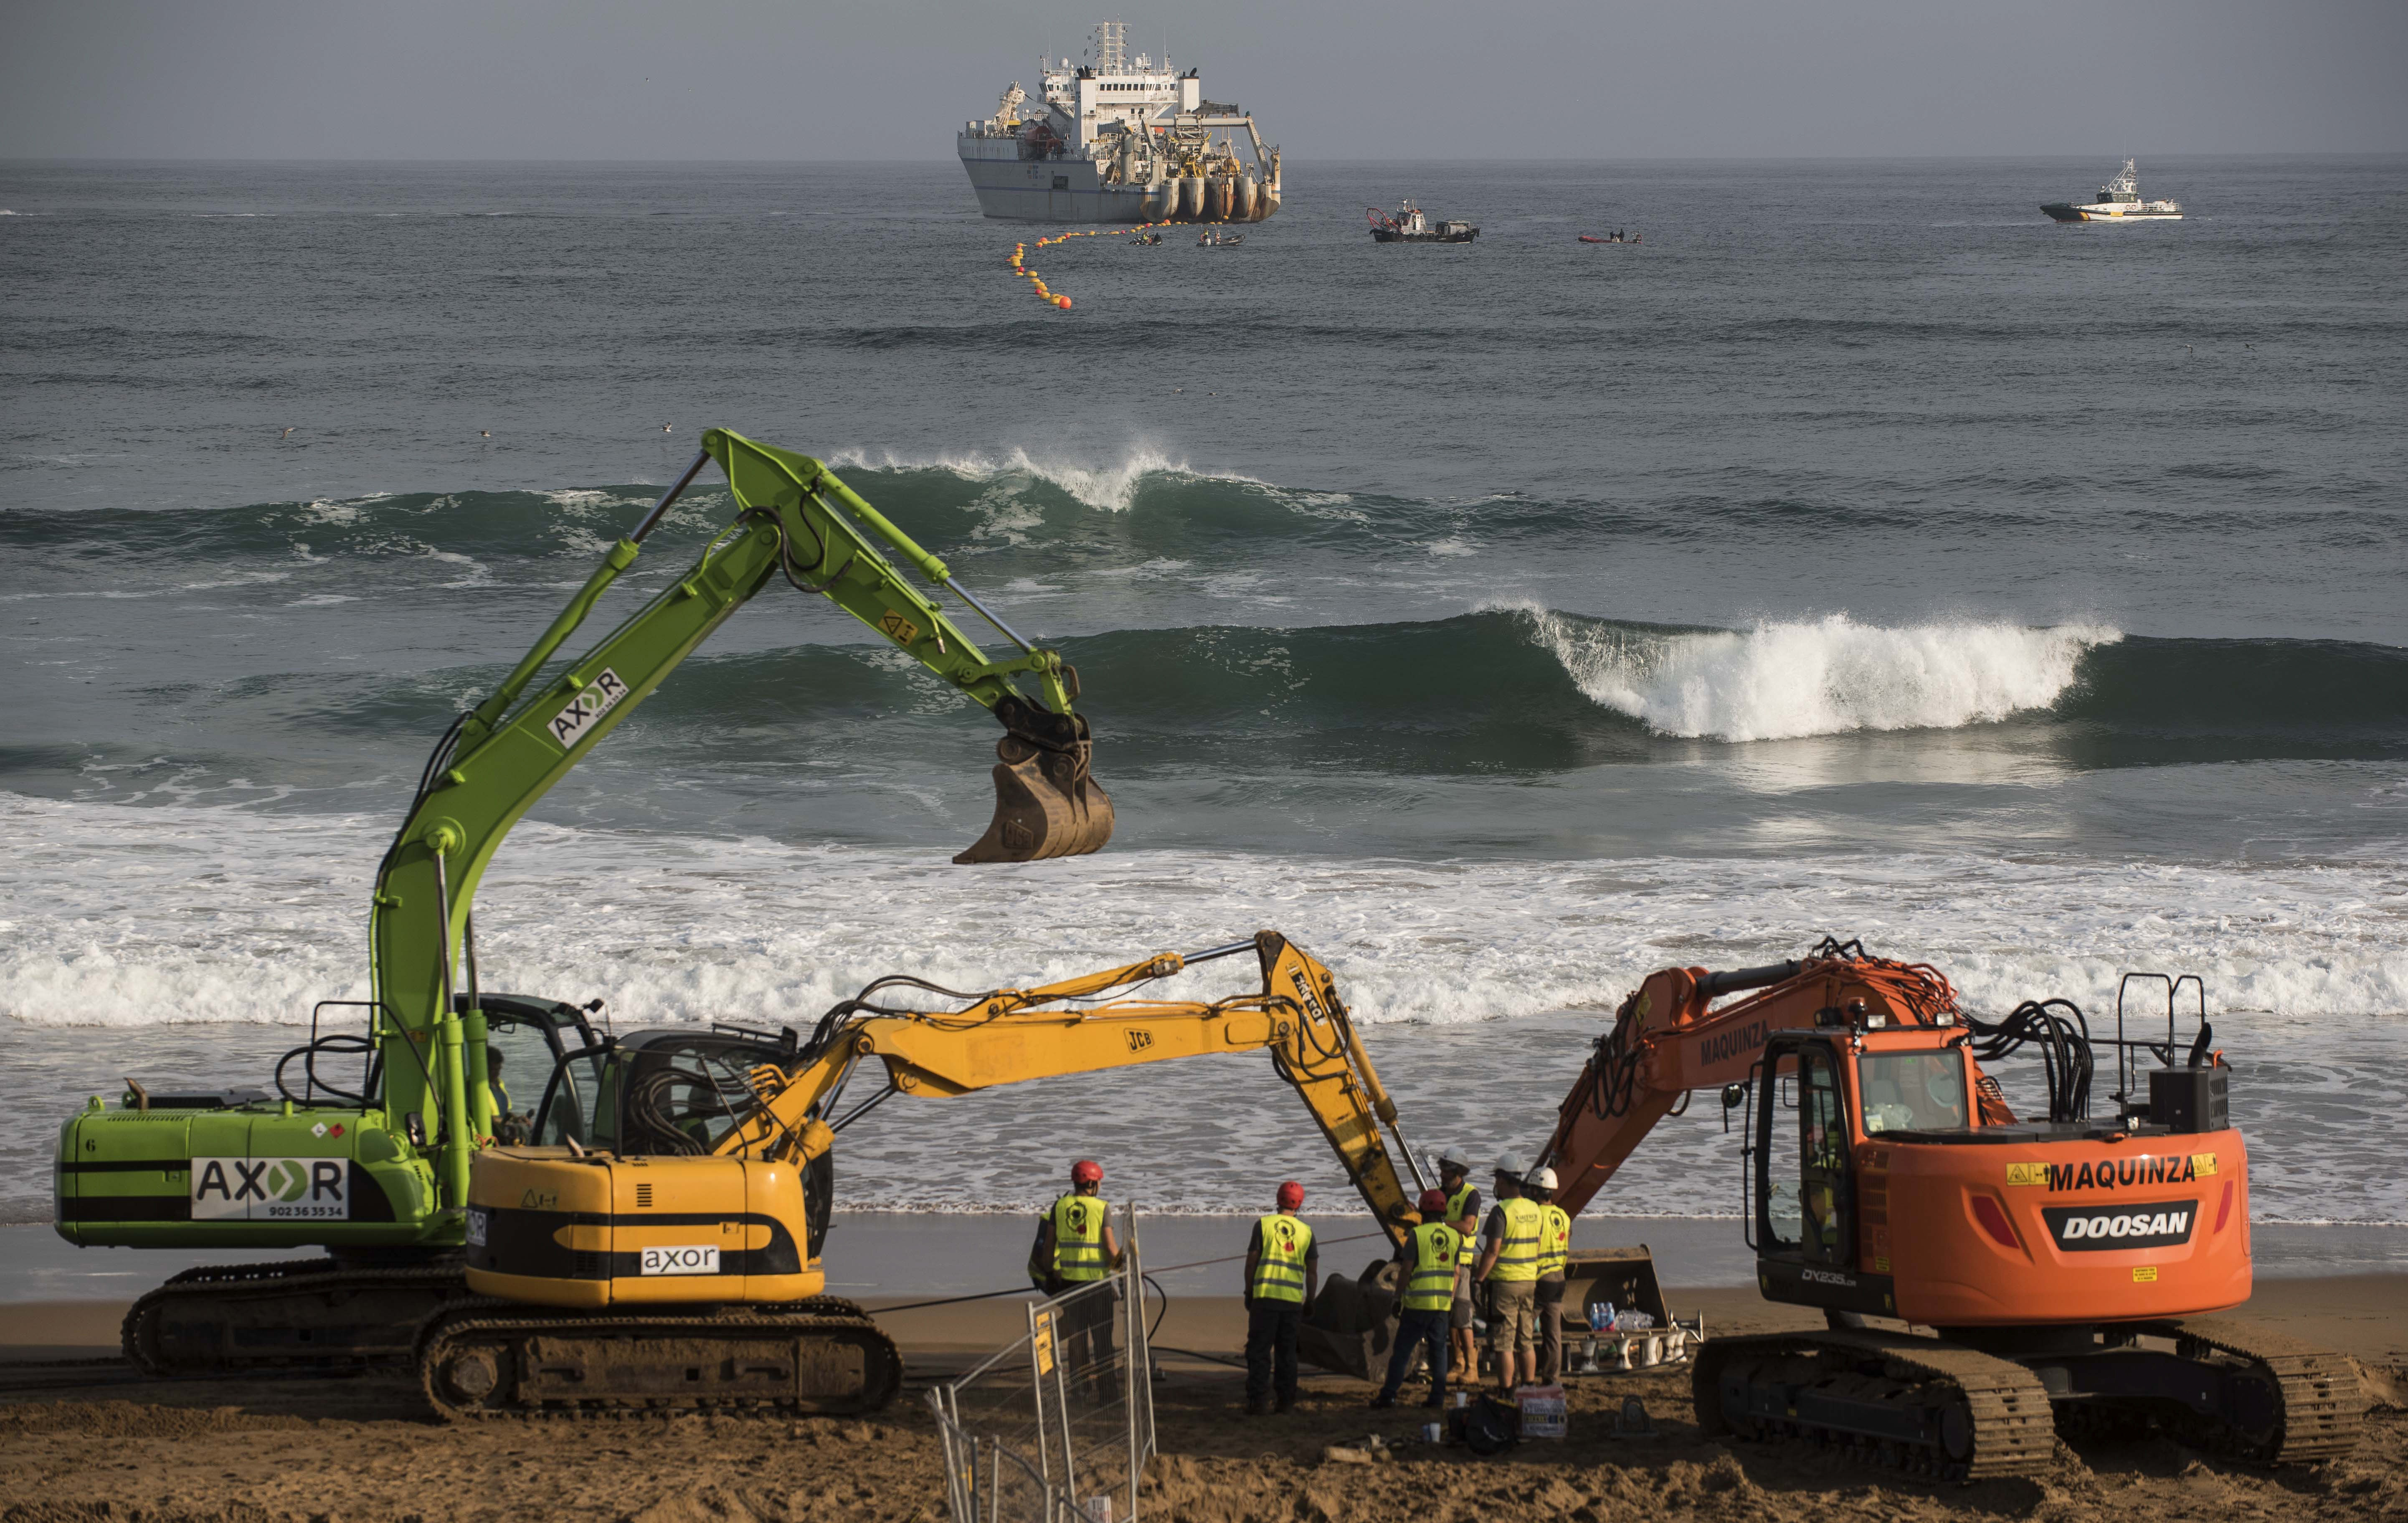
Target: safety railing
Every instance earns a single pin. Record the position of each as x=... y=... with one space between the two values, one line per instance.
x=1057 y=1426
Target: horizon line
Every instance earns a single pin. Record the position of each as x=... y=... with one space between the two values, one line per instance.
x=1552 y=159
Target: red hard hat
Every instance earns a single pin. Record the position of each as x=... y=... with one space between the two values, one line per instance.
x=1086 y=1171
x=1291 y=1196
x=1433 y=1204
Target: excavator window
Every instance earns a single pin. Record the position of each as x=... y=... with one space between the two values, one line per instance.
x=1912 y=1091
x=568 y=1100
x=519 y=1054
x=1825 y=1181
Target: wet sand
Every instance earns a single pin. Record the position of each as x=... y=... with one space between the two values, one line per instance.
x=86 y=1439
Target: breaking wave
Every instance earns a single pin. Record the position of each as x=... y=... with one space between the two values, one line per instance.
x=1826 y=676
x=1111 y=487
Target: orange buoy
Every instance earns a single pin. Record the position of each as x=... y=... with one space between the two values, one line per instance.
x=1063 y=302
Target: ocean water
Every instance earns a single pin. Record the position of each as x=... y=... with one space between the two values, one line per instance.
x=1861 y=553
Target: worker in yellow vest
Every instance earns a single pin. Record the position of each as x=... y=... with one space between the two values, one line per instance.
x=1076 y=1246
x=1283 y=1275
x=1428 y=1263
x=1509 y=1267
x=1555 y=1243
x=1463 y=1214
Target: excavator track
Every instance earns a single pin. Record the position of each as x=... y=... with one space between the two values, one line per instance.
x=490 y=1359
x=1900 y=1403
x=293 y=1314
x=2320 y=1406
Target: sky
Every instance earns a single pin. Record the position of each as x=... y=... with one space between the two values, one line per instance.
x=777 y=79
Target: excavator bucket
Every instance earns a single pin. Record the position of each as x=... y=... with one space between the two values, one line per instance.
x=1046 y=802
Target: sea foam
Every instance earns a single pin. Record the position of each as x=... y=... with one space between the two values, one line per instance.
x=116 y=915
x=126 y=931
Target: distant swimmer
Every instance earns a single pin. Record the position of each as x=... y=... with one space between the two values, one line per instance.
x=665 y=428
x=485 y=433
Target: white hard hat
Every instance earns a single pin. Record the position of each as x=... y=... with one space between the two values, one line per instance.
x=1511 y=1163
x=1544 y=1179
x=1456 y=1157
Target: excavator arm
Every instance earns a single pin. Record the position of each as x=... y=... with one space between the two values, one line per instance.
x=1012 y=1035
x=796 y=519
x=1668 y=1038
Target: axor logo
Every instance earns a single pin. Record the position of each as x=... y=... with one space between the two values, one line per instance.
x=2158 y=1223
x=681 y=1260
x=271 y=1190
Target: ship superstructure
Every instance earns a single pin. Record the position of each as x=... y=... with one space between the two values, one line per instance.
x=2120 y=201
x=1116 y=140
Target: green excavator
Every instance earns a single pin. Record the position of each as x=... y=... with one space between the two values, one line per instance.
x=376 y=1173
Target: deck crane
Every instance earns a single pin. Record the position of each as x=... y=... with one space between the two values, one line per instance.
x=2070 y=1267
x=376 y=1171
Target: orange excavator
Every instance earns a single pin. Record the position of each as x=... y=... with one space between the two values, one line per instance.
x=2054 y=1271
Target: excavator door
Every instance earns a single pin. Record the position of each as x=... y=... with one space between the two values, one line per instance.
x=1802 y=1187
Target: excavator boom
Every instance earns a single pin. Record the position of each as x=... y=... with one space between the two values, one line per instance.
x=796 y=520
x=1668 y=1041
x=1015 y=1035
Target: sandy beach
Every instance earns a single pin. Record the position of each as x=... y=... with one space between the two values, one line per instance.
x=81 y=1437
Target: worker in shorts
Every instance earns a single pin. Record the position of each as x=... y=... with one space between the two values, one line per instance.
x=1463 y=1214
x=1509 y=1267
x=1554 y=1242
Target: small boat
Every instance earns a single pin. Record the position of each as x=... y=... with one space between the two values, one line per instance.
x=1213 y=237
x=1597 y=238
x=1146 y=240
x=2120 y=201
x=1410 y=224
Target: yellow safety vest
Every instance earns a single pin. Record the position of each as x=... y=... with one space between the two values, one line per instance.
x=1280 y=1243
x=1079 y=1238
x=1518 y=1257
x=1431 y=1285
x=1456 y=1204
x=1555 y=1237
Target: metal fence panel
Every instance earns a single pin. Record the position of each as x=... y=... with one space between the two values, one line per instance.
x=1057 y=1426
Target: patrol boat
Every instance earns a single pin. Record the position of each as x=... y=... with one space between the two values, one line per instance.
x=1116 y=140
x=2120 y=201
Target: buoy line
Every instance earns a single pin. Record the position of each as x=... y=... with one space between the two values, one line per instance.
x=1037 y=282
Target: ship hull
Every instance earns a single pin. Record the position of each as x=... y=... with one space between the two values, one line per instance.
x=2065 y=212
x=1057 y=190
x=1012 y=189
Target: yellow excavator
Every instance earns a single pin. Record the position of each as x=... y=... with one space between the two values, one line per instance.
x=658 y=1242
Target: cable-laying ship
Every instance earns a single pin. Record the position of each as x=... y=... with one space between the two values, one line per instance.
x=2120 y=201
x=1119 y=140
